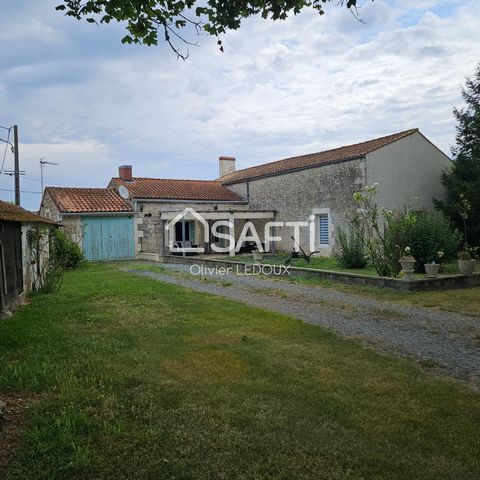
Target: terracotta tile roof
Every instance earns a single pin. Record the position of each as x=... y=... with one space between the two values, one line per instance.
x=348 y=152
x=13 y=213
x=87 y=200
x=170 y=189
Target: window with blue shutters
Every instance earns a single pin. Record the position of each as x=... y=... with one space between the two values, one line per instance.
x=323 y=231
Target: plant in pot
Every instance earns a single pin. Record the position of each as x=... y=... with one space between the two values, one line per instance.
x=408 y=263
x=432 y=268
x=466 y=258
x=466 y=261
x=257 y=255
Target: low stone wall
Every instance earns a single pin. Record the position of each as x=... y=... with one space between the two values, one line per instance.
x=421 y=284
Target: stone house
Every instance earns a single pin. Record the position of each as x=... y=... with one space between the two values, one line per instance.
x=157 y=202
x=406 y=165
x=316 y=189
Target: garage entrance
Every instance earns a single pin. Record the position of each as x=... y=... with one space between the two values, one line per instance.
x=108 y=238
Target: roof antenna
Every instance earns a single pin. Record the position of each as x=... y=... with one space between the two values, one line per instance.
x=42 y=163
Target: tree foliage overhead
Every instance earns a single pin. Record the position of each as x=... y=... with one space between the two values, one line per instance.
x=145 y=18
x=462 y=181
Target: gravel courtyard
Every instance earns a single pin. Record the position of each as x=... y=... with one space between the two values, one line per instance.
x=444 y=342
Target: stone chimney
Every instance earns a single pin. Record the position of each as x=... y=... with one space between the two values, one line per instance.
x=226 y=165
x=125 y=173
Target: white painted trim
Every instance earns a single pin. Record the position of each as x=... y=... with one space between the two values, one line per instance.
x=331 y=236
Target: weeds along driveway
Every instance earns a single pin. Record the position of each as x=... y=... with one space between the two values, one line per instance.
x=444 y=342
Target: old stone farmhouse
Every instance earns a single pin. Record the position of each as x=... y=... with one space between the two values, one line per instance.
x=406 y=166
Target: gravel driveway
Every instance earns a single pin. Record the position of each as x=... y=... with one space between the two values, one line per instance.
x=445 y=342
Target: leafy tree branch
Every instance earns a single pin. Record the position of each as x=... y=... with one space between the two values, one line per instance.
x=146 y=18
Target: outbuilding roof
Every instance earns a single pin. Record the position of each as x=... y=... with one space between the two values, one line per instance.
x=87 y=200
x=348 y=152
x=13 y=213
x=172 y=189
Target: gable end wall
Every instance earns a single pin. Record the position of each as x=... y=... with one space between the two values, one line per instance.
x=408 y=168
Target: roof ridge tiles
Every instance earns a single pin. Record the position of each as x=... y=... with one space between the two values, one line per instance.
x=318 y=158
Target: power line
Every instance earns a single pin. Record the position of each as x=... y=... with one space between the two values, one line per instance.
x=34 y=178
x=22 y=191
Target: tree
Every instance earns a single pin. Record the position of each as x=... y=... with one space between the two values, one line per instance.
x=144 y=18
x=462 y=180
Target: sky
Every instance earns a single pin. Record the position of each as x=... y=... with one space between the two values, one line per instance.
x=85 y=101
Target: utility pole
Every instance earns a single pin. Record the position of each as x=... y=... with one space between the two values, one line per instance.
x=17 y=165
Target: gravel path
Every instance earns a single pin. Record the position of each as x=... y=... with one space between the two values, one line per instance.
x=445 y=342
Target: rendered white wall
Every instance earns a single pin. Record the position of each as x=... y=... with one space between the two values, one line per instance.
x=408 y=168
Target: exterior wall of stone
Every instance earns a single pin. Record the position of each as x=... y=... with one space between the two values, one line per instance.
x=48 y=208
x=148 y=223
x=30 y=276
x=408 y=168
x=72 y=225
x=240 y=189
x=295 y=196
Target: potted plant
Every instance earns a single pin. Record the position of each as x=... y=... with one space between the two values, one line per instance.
x=432 y=268
x=408 y=263
x=257 y=256
x=466 y=263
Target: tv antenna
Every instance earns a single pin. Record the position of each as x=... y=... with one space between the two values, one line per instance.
x=42 y=163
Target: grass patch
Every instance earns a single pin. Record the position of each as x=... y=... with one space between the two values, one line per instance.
x=465 y=301
x=144 y=380
x=462 y=300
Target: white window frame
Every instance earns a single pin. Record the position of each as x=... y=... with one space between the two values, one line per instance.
x=327 y=248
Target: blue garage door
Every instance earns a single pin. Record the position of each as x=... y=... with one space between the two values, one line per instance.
x=108 y=238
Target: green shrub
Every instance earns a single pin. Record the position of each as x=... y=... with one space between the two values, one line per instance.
x=350 y=253
x=383 y=233
x=431 y=233
x=65 y=251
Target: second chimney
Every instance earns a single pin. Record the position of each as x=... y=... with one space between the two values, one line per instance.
x=226 y=165
x=125 y=173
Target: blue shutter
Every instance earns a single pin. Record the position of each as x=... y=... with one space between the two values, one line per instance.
x=323 y=229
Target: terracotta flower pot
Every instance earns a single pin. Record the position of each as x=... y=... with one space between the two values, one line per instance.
x=432 y=269
x=466 y=266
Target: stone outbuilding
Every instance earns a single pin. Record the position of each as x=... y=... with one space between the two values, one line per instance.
x=97 y=219
x=17 y=268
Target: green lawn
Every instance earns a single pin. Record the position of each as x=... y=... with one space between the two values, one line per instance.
x=141 y=380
